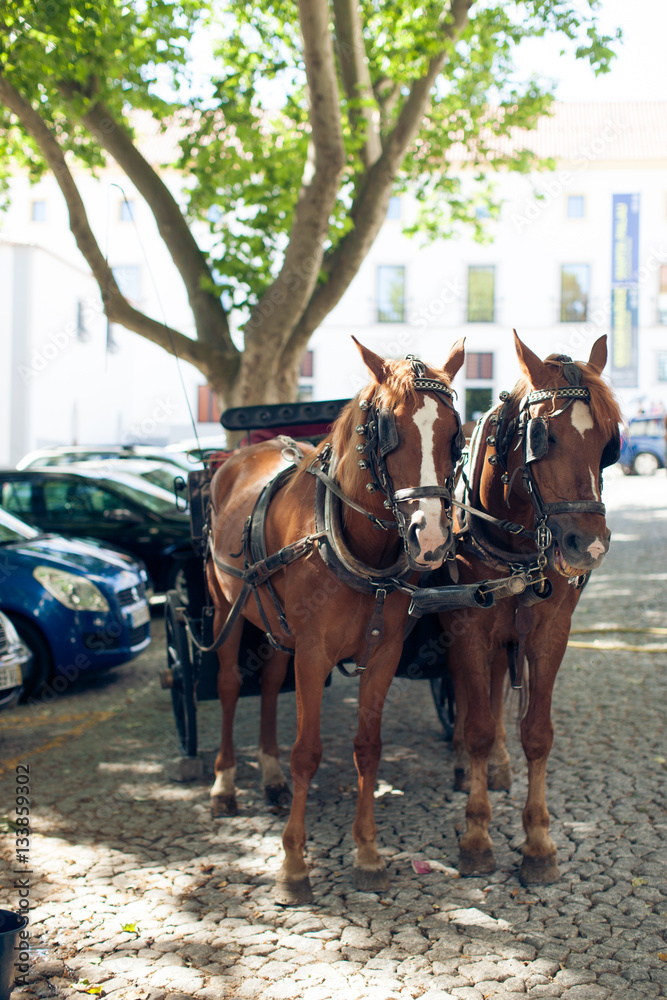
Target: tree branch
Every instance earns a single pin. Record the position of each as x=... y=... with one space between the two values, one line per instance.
x=356 y=76
x=273 y=317
x=371 y=204
x=116 y=306
x=210 y=319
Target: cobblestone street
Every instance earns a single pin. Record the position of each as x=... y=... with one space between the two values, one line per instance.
x=136 y=894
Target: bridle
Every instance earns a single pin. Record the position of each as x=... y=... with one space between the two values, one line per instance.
x=381 y=438
x=531 y=435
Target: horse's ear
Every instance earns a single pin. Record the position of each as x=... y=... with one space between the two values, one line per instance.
x=598 y=358
x=536 y=370
x=455 y=359
x=373 y=361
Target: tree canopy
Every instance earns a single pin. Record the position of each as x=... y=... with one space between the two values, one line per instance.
x=317 y=112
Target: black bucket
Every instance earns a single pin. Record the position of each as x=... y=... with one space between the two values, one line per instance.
x=11 y=924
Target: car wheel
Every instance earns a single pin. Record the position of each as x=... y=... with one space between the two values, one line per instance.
x=41 y=668
x=645 y=464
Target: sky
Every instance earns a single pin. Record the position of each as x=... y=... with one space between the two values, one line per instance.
x=637 y=74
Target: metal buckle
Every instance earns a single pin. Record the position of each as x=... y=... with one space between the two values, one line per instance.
x=543 y=537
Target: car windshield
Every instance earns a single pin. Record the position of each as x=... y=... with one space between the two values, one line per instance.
x=13 y=530
x=146 y=495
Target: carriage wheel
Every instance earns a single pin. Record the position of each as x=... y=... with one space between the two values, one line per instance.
x=442 y=690
x=180 y=663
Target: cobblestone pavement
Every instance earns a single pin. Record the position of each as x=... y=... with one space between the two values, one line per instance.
x=137 y=893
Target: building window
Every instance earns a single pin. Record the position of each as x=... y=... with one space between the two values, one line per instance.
x=126 y=210
x=82 y=331
x=394 y=208
x=576 y=206
x=481 y=294
x=662 y=366
x=477 y=402
x=574 y=290
x=38 y=211
x=306 y=374
x=128 y=279
x=479 y=366
x=662 y=295
x=391 y=293
x=208 y=411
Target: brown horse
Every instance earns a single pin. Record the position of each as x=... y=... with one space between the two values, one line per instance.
x=343 y=535
x=537 y=460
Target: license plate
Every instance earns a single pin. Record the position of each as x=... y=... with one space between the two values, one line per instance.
x=10 y=677
x=139 y=616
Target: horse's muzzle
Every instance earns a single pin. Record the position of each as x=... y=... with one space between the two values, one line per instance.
x=577 y=547
x=427 y=544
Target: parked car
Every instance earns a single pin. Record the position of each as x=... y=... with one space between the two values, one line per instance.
x=68 y=454
x=166 y=475
x=643 y=446
x=15 y=659
x=115 y=509
x=76 y=605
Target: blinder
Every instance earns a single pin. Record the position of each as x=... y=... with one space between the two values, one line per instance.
x=387 y=431
x=612 y=451
x=537 y=438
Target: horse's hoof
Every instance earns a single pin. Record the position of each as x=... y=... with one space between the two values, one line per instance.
x=476 y=862
x=292 y=892
x=223 y=805
x=538 y=871
x=499 y=779
x=461 y=780
x=371 y=879
x=278 y=795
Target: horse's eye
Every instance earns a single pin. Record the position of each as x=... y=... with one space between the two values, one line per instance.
x=551 y=439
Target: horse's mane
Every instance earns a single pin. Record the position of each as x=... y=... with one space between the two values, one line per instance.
x=396 y=386
x=605 y=409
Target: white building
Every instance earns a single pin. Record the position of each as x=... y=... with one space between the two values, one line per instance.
x=547 y=271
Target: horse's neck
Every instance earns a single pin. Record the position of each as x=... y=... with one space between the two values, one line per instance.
x=489 y=494
x=371 y=545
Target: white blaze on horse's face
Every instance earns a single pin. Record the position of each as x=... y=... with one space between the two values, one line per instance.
x=426 y=525
x=582 y=421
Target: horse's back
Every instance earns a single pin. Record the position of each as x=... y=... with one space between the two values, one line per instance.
x=237 y=485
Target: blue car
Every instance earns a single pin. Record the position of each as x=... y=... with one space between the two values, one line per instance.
x=78 y=606
x=15 y=660
x=643 y=448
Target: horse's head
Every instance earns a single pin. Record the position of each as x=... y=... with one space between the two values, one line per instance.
x=563 y=433
x=408 y=440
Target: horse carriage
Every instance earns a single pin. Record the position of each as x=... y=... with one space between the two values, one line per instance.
x=315 y=549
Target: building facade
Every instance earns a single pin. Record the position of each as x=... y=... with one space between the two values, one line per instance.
x=577 y=252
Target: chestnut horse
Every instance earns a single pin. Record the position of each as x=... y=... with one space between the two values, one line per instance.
x=537 y=460
x=354 y=522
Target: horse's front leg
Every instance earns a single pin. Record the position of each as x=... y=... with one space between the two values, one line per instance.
x=461 y=759
x=276 y=789
x=293 y=883
x=499 y=771
x=475 y=846
x=370 y=874
x=223 y=792
x=539 y=865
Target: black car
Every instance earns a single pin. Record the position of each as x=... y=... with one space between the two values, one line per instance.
x=112 y=507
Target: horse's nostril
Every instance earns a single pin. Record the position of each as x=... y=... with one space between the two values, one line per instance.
x=572 y=541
